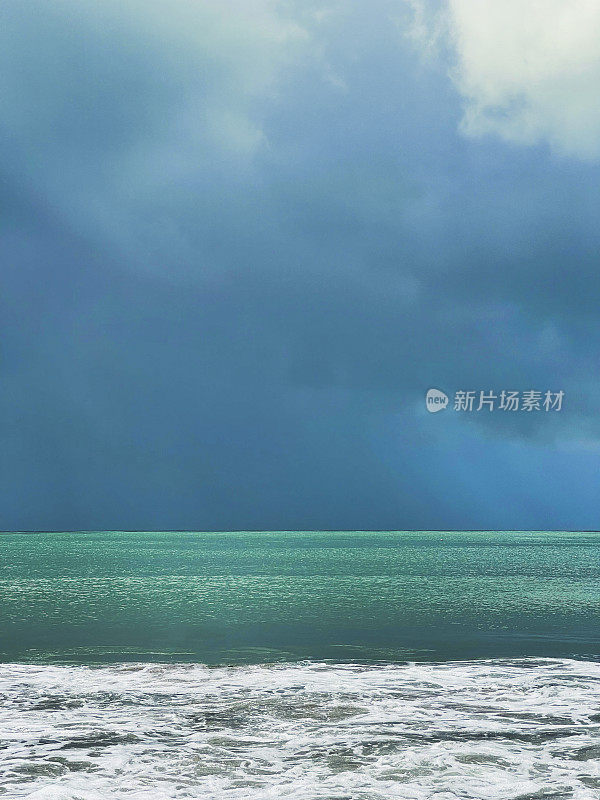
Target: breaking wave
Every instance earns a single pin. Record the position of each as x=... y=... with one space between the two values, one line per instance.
x=499 y=730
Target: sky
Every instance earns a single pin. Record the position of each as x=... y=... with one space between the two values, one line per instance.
x=241 y=239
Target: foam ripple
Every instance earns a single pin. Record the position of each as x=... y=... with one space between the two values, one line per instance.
x=499 y=730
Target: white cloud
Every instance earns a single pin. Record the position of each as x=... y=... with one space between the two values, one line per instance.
x=217 y=56
x=231 y=52
x=427 y=26
x=528 y=70
x=108 y=106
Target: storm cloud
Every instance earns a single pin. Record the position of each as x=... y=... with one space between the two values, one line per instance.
x=240 y=240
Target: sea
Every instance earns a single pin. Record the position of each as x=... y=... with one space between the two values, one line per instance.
x=332 y=665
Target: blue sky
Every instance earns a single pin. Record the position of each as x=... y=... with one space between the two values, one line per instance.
x=241 y=239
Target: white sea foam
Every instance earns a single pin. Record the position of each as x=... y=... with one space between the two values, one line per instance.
x=498 y=730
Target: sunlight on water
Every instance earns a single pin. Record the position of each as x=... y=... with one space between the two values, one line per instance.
x=239 y=597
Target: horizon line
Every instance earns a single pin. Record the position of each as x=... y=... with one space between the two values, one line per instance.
x=309 y=530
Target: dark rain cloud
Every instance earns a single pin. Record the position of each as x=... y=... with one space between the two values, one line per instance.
x=231 y=273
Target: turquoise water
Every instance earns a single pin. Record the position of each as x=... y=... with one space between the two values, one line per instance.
x=274 y=596
x=380 y=666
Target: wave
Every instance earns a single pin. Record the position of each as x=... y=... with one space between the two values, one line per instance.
x=499 y=730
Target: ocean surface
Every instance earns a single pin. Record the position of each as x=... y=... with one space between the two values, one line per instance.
x=254 y=597
x=342 y=666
